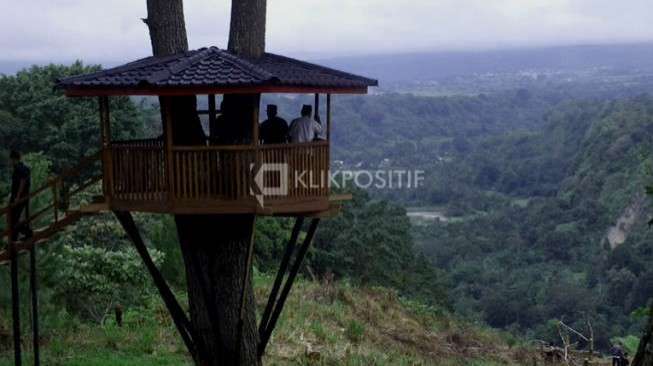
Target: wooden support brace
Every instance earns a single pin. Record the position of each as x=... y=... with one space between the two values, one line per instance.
x=278 y=307
x=176 y=312
x=328 y=121
x=272 y=299
x=35 y=306
x=212 y=117
x=15 y=301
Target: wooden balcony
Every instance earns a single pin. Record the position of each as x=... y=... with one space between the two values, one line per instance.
x=144 y=176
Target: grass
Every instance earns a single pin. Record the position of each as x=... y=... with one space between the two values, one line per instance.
x=337 y=324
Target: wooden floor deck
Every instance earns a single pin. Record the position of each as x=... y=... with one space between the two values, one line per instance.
x=319 y=207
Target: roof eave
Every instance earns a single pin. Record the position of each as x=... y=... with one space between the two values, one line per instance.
x=79 y=91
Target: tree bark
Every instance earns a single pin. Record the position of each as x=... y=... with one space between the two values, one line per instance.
x=165 y=20
x=214 y=247
x=644 y=355
x=247 y=29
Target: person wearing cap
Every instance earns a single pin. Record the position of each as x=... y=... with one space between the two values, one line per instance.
x=305 y=128
x=20 y=187
x=274 y=130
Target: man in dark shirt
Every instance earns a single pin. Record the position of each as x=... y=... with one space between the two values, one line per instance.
x=617 y=354
x=274 y=130
x=20 y=187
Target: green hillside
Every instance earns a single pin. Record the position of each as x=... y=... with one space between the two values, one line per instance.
x=544 y=211
x=323 y=324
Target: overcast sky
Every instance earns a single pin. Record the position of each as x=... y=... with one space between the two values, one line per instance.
x=62 y=30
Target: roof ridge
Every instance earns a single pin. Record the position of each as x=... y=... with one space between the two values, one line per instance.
x=192 y=57
x=247 y=66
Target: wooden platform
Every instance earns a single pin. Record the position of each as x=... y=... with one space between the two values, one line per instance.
x=308 y=208
x=278 y=179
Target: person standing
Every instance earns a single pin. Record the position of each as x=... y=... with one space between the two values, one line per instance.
x=20 y=188
x=617 y=354
x=305 y=128
x=274 y=130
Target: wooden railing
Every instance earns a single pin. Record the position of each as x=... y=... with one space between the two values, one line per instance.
x=137 y=170
x=60 y=189
x=220 y=173
x=212 y=172
x=308 y=168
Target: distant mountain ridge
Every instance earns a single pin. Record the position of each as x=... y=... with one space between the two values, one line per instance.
x=436 y=65
x=407 y=67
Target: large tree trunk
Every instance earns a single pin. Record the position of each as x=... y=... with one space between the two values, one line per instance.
x=214 y=247
x=247 y=29
x=644 y=355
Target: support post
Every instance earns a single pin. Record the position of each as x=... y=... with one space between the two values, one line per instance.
x=255 y=134
x=35 y=306
x=105 y=144
x=328 y=121
x=265 y=338
x=15 y=301
x=167 y=128
x=212 y=117
x=290 y=248
x=316 y=109
x=176 y=312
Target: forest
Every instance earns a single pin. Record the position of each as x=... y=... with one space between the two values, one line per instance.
x=542 y=191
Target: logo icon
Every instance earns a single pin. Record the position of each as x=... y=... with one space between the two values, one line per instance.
x=270 y=179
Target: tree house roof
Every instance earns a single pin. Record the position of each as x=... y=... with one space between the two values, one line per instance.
x=214 y=71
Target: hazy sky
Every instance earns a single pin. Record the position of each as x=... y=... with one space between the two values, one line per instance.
x=61 y=30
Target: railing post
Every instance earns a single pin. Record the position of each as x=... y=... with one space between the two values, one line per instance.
x=167 y=128
x=328 y=147
x=328 y=117
x=107 y=161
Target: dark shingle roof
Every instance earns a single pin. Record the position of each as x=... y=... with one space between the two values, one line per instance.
x=213 y=69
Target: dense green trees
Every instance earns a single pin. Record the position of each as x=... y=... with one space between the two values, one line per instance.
x=34 y=117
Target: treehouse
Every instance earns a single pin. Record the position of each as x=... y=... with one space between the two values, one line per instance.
x=176 y=175
x=189 y=173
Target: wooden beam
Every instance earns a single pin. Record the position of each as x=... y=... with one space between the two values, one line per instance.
x=272 y=299
x=40 y=236
x=265 y=338
x=97 y=91
x=33 y=284
x=15 y=294
x=167 y=128
x=328 y=117
x=212 y=116
x=105 y=145
x=255 y=117
x=176 y=312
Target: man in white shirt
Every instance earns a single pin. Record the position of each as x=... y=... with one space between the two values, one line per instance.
x=305 y=128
